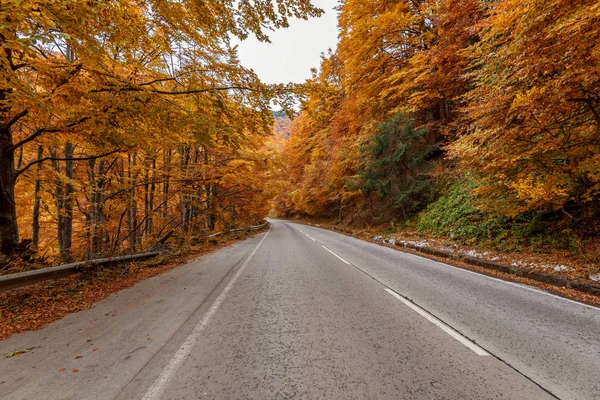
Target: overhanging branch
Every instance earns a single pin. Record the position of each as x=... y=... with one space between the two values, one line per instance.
x=41 y=131
x=172 y=93
x=41 y=160
x=15 y=119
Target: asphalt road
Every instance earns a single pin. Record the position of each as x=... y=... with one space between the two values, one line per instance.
x=305 y=313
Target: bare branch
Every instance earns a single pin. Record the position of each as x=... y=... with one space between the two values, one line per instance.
x=14 y=119
x=41 y=160
x=18 y=66
x=13 y=66
x=173 y=93
x=30 y=138
x=41 y=131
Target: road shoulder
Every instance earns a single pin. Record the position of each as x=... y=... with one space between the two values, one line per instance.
x=561 y=286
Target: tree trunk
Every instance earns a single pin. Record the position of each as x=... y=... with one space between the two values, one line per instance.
x=149 y=167
x=184 y=198
x=64 y=203
x=35 y=225
x=122 y=183
x=132 y=213
x=97 y=216
x=68 y=204
x=59 y=196
x=209 y=194
x=167 y=167
x=9 y=231
x=146 y=198
x=149 y=220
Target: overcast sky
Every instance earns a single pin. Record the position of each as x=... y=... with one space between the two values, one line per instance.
x=292 y=51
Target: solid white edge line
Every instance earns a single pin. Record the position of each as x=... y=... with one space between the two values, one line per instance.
x=335 y=254
x=515 y=284
x=465 y=341
x=155 y=391
x=525 y=286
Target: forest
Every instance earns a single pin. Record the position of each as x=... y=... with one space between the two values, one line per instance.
x=125 y=121
x=414 y=215
x=472 y=119
x=122 y=122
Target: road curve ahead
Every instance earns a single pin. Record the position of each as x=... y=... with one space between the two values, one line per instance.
x=304 y=313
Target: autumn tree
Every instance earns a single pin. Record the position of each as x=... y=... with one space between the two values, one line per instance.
x=401 y=56
x=86 y=79
x=534 y=112
x=317 y=152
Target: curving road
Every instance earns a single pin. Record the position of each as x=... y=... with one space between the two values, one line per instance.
x=305 y=313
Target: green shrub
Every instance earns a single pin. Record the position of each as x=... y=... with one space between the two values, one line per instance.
x=455 y=215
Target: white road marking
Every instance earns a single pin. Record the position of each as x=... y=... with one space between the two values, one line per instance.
x=159 y=385
x=468 y=343
x=515 y=284
x=322 y=245
x=306 y=234
x=524 y=286
x=335 y=254
x=519 y=285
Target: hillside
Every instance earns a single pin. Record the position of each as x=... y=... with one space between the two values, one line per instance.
x=468 y=120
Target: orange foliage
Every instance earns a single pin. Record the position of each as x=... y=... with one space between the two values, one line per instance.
x=511 y=89
x=535 y=111
x=123 y=120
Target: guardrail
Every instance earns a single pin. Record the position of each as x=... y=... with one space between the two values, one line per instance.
x=28 y=277
x=251 y=228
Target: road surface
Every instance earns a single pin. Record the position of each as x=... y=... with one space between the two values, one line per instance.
x=304 y=313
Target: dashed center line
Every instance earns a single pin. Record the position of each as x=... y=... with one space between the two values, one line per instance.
x=307 y=235
x=335 y=255
x=440 y=324
x=421 y=311
x=322 y=245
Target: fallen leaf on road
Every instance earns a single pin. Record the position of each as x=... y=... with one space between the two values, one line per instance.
x=61 y=370
x=78 y=357
x=94 y=349
x=18 y=353
x=75 y=370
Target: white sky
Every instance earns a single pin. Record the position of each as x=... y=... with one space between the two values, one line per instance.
x=292 y=51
